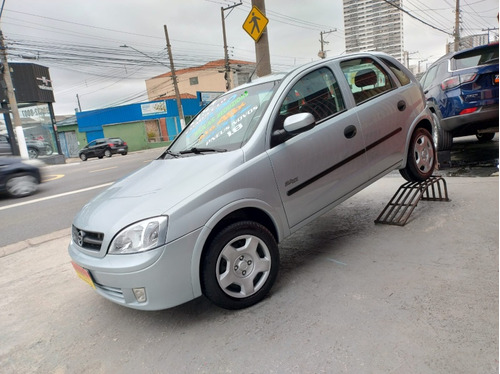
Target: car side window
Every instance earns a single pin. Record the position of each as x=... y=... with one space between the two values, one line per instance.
x=366 y=78
x=400 y=74
x=429 y=77
x=317 y=93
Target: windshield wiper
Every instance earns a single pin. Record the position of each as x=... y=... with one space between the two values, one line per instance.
x=170 y=153
x=198 y=151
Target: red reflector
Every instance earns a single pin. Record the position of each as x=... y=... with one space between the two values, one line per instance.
x=468 y=110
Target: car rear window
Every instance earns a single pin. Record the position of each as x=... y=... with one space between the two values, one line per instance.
x=476 y=57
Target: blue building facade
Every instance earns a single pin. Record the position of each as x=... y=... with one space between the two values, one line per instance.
x=93 y=122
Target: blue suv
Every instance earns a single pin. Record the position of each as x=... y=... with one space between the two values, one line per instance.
x=461 y=89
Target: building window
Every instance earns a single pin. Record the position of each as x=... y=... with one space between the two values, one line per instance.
x=193 y=81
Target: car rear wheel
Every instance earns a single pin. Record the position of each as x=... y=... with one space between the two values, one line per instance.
x=421 y=157
x=21 y=185
x=240 y=265
x=83 y=157
x=107 y=153
x=443 y=140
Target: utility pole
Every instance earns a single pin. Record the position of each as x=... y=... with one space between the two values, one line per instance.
x=174 y=79
x=457 y=26
x=11 y=97
x=78 y=100
x=322 y=52
x=262 y=46
x=227 y=68
x=489 y=29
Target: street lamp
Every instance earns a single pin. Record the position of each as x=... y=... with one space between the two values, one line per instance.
x=174 y=80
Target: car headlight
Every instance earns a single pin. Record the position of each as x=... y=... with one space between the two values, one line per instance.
x=140 y=236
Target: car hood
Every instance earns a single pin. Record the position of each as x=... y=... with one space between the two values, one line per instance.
x=153 y=190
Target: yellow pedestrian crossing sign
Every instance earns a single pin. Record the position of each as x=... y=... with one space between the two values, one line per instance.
x=255 y=23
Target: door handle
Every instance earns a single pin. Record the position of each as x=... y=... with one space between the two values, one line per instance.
x=350 y=131
x=401 y=105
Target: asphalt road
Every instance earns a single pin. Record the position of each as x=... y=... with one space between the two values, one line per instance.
x=66 y=189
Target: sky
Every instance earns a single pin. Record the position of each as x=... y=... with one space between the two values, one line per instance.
x=80 y=41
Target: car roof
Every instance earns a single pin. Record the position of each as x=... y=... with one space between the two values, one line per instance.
x=281 y=75
x=457 y=53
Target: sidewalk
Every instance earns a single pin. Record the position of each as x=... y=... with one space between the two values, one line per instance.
x=351 y=297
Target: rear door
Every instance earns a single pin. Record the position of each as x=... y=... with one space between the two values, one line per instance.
x=384 y=111
x=316 y=168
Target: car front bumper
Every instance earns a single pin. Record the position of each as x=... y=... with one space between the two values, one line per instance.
x=164 y=273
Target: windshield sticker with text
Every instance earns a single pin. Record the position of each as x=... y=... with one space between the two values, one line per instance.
x=217 y=116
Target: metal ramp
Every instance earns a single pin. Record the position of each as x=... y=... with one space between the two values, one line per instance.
x=404 y=201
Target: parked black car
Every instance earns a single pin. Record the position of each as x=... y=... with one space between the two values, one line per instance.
x=35 y=147
x=462 y=92
x=103 y=147
x=19 y=177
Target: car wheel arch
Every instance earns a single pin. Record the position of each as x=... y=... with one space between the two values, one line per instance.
x=424 y=123
x=255 y=210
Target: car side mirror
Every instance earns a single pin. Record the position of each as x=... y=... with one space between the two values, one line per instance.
x=293 y=125
x=298 y=123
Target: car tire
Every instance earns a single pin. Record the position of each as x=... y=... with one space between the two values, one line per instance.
x=443 y=140
x=48 y=150
x=33 y=152
x=21 y=185
x=124 y=153
x=421 y=157
x=83 y=157
x=485 y=137
x=240 y=265
x=108 y=153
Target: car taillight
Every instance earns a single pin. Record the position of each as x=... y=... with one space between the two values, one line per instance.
x=124 y=143
x=468 y=110
x=111 y=144
x=457 y=81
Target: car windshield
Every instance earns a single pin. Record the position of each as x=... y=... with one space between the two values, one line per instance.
x=227 y=123
x=476 y=57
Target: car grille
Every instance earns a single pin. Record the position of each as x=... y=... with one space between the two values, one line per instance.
x=87 y=239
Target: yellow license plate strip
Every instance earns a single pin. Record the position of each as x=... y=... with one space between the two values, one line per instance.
x=83 y=274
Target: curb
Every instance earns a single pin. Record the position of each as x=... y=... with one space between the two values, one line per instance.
x=33 y=242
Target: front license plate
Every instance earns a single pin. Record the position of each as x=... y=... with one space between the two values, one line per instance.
x=83 y=274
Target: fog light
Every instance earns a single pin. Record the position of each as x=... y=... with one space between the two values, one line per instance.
x=140 y=294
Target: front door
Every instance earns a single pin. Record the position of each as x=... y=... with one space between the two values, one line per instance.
x=317 y=168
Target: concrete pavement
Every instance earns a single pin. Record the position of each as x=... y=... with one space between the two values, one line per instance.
x=351 y=297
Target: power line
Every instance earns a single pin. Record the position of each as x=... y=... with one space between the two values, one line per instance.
x=416 y=18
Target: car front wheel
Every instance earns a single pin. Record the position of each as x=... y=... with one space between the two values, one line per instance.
x=21 y=185
x=421 y=157
x=32 y=152
x=485 y=137
x=83 y=157
x=240 y=265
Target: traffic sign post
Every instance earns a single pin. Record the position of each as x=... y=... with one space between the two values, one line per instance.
x=255 y=23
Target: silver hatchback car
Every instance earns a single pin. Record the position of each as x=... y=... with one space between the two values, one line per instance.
x=257 y=164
